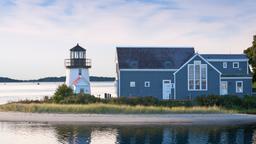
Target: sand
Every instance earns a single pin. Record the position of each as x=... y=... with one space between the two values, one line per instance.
x=130 y=119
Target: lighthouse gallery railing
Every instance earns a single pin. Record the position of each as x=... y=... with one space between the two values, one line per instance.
x=78 y=63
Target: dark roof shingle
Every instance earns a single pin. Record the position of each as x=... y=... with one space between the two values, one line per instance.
x=153 y=57
x=224 y=56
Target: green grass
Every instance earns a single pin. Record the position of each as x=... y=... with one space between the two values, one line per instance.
x=100 y=108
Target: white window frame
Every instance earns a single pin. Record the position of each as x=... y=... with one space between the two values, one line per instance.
x=147 y=84
x=242 y=85
x=200 y=77
x=235 y=63
x=193 y=77
x=225 y=65
x=132 y=84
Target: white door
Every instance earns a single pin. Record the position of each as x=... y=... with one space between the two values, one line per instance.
x=224 y=88
x=167 y=89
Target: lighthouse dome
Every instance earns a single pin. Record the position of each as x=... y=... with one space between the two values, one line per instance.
x=77 y=48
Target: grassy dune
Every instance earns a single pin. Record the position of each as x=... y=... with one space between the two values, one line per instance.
x=100 y=108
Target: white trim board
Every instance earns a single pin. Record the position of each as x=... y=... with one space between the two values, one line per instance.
x=192 y=59
x=119 y=82
x=185 y=63
x=236 y=77
x=209 y=64
x=226 y=60
x=148 y=69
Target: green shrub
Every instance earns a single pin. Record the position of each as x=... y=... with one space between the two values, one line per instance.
x=80 y=99
x=210 y=100
x=249 y=102
x=62 y=92
x=172 y=103
x=230 y=101
x=146 y=101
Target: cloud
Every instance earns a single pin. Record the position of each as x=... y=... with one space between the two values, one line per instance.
x=38 y=33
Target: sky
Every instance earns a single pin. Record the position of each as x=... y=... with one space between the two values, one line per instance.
x=36 y=35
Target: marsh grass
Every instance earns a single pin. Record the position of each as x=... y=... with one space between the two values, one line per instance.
x=100 y=108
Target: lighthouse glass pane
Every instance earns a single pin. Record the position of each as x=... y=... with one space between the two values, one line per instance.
x=81 y=55
x=76 y=54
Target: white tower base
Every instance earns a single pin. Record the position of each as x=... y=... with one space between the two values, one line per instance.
x=78 y=79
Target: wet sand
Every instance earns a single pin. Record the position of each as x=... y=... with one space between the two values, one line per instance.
x=130 y=119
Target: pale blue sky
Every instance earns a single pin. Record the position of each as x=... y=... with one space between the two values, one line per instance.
x=36 y=35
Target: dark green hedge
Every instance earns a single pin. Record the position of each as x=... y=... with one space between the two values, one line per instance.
x=65 y=95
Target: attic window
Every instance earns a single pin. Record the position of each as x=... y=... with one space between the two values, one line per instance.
x=225 y=65
x=235 y=64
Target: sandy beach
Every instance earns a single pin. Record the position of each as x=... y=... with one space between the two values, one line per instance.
x=130 y=119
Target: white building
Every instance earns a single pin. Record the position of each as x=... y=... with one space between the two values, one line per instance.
x=77 y=70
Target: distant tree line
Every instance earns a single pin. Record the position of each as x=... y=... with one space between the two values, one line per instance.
x=55 y=79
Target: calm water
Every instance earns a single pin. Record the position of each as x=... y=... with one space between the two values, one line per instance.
x=32 y=91
x=29 y=133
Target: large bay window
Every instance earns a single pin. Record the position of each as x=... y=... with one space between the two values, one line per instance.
x=197 y=76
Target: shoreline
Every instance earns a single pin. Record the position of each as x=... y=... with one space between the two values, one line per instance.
x=129 y=119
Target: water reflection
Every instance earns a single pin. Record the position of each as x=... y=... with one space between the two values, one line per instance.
x=156 y=135
x=79 y=134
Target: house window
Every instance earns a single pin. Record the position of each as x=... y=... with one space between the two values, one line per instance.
x=197 y=76
x=132 y=84
x=147 y=84
x=235 y=64
x=204 y=76
x=225 y=65
x=191 y=76
x=79 y=71
x=239 y=86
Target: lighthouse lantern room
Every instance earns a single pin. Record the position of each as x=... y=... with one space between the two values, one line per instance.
x=77 y=70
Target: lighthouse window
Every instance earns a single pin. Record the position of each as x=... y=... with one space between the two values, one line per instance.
x=80 y=72
x=81 y=54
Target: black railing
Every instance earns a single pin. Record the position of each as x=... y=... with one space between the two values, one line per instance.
x=78 y=63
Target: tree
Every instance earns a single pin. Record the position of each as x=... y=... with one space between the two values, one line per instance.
x=251 y=54
x=62 y=92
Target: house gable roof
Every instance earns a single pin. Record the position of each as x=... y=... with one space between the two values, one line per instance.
x=192 y=59
x=153 y=57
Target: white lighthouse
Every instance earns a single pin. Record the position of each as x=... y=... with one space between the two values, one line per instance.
x=77 y=70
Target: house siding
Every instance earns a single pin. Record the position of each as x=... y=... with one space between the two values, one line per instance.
x=213 y=80
x=247 y=86
x=139 y=77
